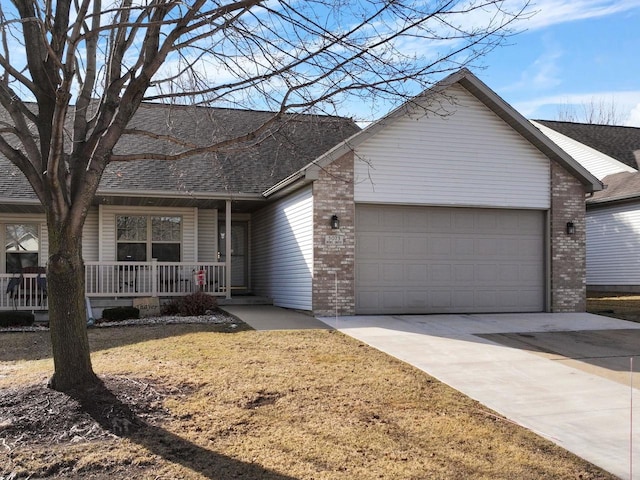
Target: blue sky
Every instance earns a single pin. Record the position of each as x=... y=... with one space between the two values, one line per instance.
x=573 y=52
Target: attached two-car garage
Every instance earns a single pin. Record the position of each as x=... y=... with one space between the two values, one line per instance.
x=414 y=259
x=451 y=203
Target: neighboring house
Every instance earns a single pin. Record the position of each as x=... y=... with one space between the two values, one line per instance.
x=451 y=203
x=613 y=214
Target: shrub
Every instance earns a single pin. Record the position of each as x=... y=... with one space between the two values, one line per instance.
x=194 y=304
x=116 y=314
x=16 y=319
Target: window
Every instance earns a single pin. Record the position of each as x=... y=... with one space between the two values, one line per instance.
x=22 y=246
x=141 y=237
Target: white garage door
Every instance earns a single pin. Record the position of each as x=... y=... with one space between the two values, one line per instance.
x=448 y=260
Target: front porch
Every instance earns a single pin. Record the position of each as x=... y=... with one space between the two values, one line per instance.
x=121 y=280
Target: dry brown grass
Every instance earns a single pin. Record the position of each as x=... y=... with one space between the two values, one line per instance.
x=623 y=306
x=276 y=405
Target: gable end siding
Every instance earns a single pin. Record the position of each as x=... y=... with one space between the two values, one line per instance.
x=466 y=157
x=282 y=251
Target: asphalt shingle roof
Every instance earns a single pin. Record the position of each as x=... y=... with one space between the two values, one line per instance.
x=251 y=168
x=616 y=141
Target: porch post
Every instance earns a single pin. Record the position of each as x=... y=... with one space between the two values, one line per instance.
x=154 y=277
x=227 y=239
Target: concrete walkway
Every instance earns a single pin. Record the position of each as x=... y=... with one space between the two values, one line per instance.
x=581 y=409
x=268 y=317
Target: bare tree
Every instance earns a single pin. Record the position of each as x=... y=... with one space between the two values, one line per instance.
x=594 y=111
x=74 y=72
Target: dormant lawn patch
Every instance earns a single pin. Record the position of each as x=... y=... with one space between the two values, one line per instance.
x=189 y=401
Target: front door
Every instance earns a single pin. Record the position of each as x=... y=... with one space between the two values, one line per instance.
x=239 y=253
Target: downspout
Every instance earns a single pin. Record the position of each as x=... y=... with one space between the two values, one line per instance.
x=227 y=230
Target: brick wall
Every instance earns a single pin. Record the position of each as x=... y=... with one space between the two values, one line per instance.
x=568 y=252
x=334 y=250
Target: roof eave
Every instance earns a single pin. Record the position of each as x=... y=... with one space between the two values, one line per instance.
x=596 y=203
x=237 y=196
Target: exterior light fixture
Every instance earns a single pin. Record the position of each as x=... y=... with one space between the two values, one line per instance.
x=335 y=222
x=571 y=228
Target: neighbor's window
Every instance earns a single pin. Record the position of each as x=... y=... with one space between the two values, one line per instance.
x=22 y=246
x=141 y=237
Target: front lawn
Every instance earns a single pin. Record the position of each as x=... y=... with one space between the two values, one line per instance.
x=187 y=401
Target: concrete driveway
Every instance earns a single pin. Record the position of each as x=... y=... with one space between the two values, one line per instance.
x=566 y=376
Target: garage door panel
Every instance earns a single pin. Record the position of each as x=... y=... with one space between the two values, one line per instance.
x=392 y=300
x=417 y=273
x=488 y=273
x=439 y=246
x=393 y=273
x=463 y=300
x=416 y=299
x=440 y=299
x=416 y=246
x=416 y=221
x=438 y=259
x=463 y=274
x=508 y=273
x=529 y=274
x=486 y=298
x=368 y=300
x=367 y=273
x=463 y=247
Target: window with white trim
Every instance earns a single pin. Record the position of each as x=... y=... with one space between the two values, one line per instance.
x=22 y=246
x=142 y=237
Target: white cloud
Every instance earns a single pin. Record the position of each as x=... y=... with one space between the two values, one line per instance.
x=544 y=73
x=553 y=12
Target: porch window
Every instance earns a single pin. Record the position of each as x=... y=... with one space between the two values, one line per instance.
x=141 y=237
x=22 y=246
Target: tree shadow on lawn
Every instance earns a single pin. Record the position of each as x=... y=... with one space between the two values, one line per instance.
x=28 y=346
x=118 y=418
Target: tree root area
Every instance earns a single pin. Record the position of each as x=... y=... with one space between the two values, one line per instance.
x=36 y=415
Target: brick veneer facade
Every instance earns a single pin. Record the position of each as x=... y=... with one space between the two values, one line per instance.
x=334 y=250
x=568 y=252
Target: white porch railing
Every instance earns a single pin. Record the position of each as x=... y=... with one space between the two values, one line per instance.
x=23 y=292
x=119 y=279
x=153 y=279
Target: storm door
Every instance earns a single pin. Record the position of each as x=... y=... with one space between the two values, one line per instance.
x=239 y=253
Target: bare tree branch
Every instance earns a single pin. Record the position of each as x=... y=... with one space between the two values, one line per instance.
x=73 y=74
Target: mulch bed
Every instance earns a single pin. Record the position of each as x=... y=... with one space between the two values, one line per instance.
x=37 y=415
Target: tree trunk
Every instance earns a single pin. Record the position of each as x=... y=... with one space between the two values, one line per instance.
x=67 y=312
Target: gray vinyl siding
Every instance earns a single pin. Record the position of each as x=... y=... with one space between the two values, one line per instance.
x=282 y=251
x=466 y=157
x=207 y=235
x=108 y=228
x=613 y=249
